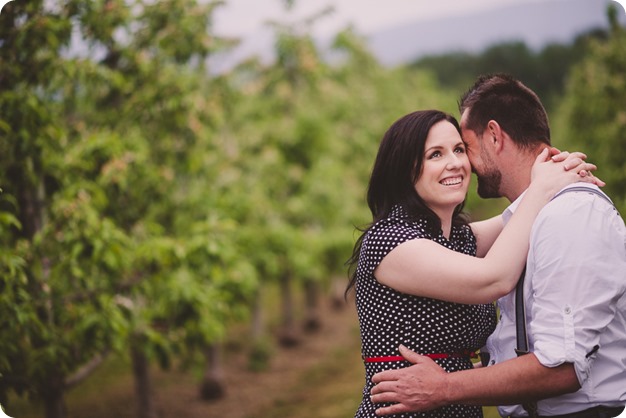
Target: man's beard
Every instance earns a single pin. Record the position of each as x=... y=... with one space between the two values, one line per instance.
x=489 y=183
x=490 y=178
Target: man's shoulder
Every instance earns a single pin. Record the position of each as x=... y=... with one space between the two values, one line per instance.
x=578 y=211
x=578 y=190
x=574 y=199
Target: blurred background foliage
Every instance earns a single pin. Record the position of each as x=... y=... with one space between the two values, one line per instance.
x=147 y=202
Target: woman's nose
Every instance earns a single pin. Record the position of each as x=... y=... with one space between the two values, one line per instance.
x=454 y=161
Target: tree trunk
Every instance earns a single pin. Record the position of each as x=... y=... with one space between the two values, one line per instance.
x=146 y=403
x=257 y=330
x=32 y=216
x=312 y=321
x=288 y=336
x=260 y=352
x=212 y=386
x=338 y=288
x=53 y=398
x=30 y=198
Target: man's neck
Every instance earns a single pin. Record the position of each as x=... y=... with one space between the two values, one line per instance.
x=516 y=173
x=517 y=191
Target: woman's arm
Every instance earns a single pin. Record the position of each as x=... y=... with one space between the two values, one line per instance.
x=486 y=233
x=424 y=268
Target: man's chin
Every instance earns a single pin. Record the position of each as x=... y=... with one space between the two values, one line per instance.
x=488 y=193
x=489 y=185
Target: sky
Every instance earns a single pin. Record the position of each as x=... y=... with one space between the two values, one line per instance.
x=245 y=17
x=246 y=20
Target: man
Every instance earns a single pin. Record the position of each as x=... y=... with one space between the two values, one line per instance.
x=574 y=289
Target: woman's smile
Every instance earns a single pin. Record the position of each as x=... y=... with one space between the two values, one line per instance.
x=452 y=181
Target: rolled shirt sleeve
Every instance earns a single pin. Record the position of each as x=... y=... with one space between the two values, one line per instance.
x=575 y=297
x=577 y=262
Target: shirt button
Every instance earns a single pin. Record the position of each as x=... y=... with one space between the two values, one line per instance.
x=492 y=362
x=567 y=310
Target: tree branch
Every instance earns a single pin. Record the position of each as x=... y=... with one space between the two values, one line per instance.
x=83 y=372
x=88 y=295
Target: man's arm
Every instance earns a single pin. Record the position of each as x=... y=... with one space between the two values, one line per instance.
x=426 y=386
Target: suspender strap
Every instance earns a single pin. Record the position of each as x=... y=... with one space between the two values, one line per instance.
x=585 y=189
x=520 y=311
x=520 y=317
x=520 y=333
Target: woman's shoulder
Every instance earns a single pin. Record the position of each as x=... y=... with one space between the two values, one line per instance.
x=397 y=226
x=464 y=230
x=463 y=239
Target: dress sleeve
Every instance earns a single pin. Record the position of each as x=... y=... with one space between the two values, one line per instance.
x=384 y=237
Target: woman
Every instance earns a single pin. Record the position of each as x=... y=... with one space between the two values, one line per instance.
x=418 y=280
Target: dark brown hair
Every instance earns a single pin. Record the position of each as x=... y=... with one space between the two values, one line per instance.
x=396 y=169
x=515 y=107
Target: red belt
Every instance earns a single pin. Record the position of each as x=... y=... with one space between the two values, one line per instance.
x=434 y=356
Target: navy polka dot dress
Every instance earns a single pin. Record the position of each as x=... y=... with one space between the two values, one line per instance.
x=388 y=318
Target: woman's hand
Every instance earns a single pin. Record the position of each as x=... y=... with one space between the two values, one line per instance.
x=572 y=161
x=553 y=173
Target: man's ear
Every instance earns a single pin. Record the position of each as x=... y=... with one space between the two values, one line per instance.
x=495 y=135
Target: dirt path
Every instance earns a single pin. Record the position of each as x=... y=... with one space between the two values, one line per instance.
x=321 y=377
x=251 y=394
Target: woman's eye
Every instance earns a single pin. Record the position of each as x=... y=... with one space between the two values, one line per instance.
x=460 y=150
x=435 y=154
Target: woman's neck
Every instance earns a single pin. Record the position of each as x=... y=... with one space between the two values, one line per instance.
x=446 y=222
x=446 y=228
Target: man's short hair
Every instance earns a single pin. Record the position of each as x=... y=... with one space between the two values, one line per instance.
x=515 y=107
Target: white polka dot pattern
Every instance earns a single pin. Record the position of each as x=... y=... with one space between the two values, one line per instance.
x=388 y=318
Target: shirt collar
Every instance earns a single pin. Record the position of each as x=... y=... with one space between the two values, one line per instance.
x=398 y=211
x=510 y=210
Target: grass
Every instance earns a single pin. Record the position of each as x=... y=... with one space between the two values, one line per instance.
x=111 y=378
x=331 y=389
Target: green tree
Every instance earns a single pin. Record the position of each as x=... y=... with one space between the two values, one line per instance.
x=58 y=248
x=592 y=117
x=109 y=240
x=545 y=71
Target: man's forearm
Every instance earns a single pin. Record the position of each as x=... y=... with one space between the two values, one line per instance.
x=512 y=382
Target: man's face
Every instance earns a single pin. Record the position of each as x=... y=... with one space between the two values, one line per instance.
x=483 y=164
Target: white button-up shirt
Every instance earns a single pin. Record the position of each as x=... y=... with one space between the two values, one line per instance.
x=575 y=298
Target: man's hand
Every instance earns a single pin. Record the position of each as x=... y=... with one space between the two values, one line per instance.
x=420 y=387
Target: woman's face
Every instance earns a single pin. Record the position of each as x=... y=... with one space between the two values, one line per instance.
x=445 y=174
